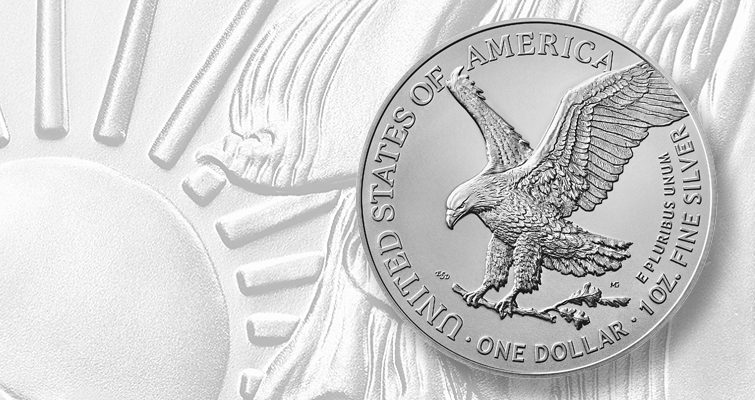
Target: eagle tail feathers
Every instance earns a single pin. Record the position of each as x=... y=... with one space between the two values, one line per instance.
x=597 y=255
x=606 y=253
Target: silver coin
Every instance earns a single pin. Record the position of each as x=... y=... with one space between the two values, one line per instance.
x=590 y=181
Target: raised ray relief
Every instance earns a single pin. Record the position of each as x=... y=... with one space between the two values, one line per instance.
x=51 y=97
x=4 y=134
x=200 y=95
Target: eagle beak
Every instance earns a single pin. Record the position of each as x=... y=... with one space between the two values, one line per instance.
x=451 y=219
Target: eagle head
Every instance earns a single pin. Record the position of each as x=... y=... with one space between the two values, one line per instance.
x=460 y=203
x=476 y=196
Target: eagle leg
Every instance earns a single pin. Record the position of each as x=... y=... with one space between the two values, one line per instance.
x=497 y=264
x=526 y=269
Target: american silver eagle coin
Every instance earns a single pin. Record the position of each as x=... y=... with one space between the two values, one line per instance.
x=536 y=197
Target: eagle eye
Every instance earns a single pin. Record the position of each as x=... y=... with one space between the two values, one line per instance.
x=463 y=204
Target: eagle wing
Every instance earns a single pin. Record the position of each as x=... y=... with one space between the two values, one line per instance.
x=592 y=135
x=506 y=148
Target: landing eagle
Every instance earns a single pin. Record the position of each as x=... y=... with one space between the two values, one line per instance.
x=524 y=196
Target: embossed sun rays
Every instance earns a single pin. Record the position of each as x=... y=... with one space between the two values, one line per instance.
x=206 y=182
x=237 y=228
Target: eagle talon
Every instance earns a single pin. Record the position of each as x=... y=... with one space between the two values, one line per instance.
x=473 y=298
x=506 y=306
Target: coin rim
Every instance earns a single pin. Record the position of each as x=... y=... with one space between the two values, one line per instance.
x=711 y=178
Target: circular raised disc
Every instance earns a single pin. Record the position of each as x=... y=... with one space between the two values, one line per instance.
x=95 y=247
x=582 y=265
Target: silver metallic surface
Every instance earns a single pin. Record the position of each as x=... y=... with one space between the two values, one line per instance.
x=51 y=114
x=324 y=69
x=115 y=113
x=592 y=236
x=206 y=85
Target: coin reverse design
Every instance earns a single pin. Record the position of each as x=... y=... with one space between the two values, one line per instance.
x=584 y=242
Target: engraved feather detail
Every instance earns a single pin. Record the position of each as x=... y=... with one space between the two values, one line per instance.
x=592 y=136
x=506 y=148
x=277 y=110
